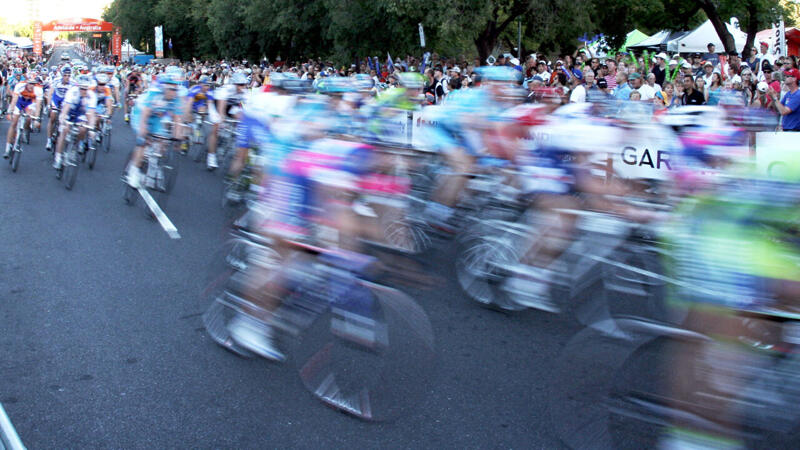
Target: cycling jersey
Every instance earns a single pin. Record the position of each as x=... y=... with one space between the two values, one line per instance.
x=25 y=97
x=78 y=105
x=161 y=109
x=134 y=82
x=198 y=97
x=233 y=99
x=102 y=92
x=60 y=89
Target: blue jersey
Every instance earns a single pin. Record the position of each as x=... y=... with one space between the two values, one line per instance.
x=198 y=97
x=161 y=109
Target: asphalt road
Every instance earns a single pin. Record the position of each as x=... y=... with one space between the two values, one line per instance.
x=102 y=343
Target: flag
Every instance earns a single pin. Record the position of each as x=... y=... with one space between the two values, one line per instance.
x=377 y=66
x=389 y=62
x=424 y=62
x=170 y=43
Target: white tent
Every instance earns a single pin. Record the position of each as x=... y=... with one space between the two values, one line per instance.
x=128 y=51
x=697 y=40
x=21 y=42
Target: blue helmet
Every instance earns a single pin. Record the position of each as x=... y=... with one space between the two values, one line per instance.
x=498 y=73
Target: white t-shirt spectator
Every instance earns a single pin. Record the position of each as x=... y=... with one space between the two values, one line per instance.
x=578 y=94
x=647 y=92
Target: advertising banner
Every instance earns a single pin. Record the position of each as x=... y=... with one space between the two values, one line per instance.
x=116 y=43
x=37 y=38
x=159 y=42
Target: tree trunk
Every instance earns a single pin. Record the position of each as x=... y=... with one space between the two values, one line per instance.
x=752 y=28
x=722 y=31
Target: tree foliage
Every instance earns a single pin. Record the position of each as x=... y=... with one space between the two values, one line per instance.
x=349 y=30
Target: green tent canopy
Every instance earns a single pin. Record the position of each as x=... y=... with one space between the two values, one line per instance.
x=633 y=38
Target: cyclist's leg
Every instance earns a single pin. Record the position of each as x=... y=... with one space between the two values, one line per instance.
x=12 y=131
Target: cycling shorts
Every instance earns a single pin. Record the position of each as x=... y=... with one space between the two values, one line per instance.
x=57 y=101
x=548 y=172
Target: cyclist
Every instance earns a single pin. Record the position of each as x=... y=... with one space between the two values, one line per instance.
x=134 y=85
x=159 y=104
x=14 y=77
x=27 y=98
x=78 y=107
x=104 y=92
x=201 y=101
x=230 y=99
x=307 y=180
x=58 y=91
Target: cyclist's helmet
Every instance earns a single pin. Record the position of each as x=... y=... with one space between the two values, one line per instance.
x=239 y=78
x=499 y=73
x=66 y=70
x=83 y=81
x=171 y=78
x=364 y=82
x=205 y=80
x=64 y=57
x=102 y=78
x=411 y=80
x=335 y=85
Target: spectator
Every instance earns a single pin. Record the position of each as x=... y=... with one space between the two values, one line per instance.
x=635 y=96
x=765 y=54
x=660 y=69
x=708 y=70
x=690 y=95
x=714 y=90
x=440 y=88
x=541 y=70
x=651 y=81
x=752 y=60
x=455 y=77
x=578 y=94
x=623 y=90
x=789 y=106
x=646 y=91
x=762 y=98
x=611 y=75
x=712 y=55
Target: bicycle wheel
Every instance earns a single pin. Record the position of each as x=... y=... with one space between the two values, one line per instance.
x=91 y=156
x=224 y=281
x=479 y=271
x=107 y=142
x=371 y=356
x=169 y=166
x=15 y=157
x=70 y=166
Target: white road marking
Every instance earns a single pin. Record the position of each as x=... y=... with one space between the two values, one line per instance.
x=162 y=218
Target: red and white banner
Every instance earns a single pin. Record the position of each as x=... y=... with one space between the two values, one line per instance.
x=116 y=43
x=37 y=38
x=78 y=25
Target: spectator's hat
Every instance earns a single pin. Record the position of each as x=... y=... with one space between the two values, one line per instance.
x=686 y=65
x=662 y=55
x=514 y=61
x=456 y=69
x=602 y=83
x=762 y=86
x=634 y=76
x=764 y=44
x=672 y=62
x=736 y=79
x=708 y=63
x=792 y=73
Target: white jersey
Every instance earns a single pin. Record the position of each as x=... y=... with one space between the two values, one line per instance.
x=19 y=89
x=60 y=88
x=77 y=104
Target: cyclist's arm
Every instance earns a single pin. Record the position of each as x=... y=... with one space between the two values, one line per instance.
x=143 y=122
